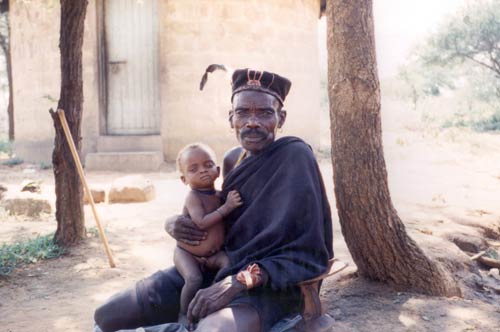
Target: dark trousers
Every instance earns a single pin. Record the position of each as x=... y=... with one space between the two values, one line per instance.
x=156 y=300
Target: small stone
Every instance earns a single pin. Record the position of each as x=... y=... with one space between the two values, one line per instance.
x=99 y=195
x=495 y=273
x=427 y=319
x=31 y=186
x=28 y=205
x=2 y=190
x=132 y=188
x=467 y=242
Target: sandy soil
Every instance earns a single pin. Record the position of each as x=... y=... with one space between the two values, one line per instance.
x=443 y=183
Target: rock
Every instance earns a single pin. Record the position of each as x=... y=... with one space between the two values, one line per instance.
x=2 y=190
x=31 y=186
x=467 y=242
x=495 y=273
x=28 y=205
x=132 y=188
x=99 y=195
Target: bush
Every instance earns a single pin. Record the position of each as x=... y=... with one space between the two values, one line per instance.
x=6 y=147
x=490 y=124
x=13 y=162
x=26 y=252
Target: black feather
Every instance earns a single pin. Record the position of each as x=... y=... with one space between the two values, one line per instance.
x=210 y=69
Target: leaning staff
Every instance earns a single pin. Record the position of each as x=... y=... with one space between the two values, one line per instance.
x=79 y=168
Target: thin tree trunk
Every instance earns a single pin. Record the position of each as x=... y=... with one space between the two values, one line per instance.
x=5 y=45
x=10 y=106
x=374 y=233
x=69 y=192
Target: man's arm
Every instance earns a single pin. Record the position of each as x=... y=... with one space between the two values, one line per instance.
x=183 y=229
x=219 y=295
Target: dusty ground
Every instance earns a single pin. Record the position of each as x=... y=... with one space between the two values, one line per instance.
x=443 y=183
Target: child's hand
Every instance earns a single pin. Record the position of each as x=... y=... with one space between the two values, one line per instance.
x=233 y=200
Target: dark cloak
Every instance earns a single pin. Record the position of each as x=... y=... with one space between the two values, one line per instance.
x=285 y=223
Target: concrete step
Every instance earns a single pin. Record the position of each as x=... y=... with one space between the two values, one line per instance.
x=129 y=143
x=144 y=161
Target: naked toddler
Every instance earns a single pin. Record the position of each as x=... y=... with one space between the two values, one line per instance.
x=196 y=163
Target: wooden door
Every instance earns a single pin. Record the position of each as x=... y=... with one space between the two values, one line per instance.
x=132 y=67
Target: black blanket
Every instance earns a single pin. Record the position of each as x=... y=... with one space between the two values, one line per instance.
x=285 y=223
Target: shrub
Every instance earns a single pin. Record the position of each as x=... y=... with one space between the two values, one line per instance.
x=26 y=252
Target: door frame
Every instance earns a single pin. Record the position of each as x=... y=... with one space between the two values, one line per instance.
x=102 y=62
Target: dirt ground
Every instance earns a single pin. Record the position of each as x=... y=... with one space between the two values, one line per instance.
x=444 y=183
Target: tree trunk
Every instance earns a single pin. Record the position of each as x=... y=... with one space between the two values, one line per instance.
x=69 y=192
x=10 y=106
x=5 y=46
x=374 y=233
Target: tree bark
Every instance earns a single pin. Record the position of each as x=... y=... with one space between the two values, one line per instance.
x=5 y=46
x=374 y=233
x=69 y=192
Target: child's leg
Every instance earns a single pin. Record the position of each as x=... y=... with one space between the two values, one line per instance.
x=217 y=261
x=189 y=269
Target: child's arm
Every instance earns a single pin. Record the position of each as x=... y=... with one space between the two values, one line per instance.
x=195 y=208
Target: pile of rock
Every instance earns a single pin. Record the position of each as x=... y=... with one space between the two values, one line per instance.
x=29 y=201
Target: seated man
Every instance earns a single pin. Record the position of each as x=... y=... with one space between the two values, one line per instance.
x=281 y=236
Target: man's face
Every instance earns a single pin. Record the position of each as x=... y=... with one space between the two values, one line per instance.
x=256 y=116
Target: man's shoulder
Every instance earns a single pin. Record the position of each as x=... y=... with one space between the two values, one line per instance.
x=230 y=159
x=296 y=146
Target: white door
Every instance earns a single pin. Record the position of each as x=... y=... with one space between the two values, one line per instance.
x=132 y=67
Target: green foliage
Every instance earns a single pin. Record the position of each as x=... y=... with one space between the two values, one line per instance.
x=45 y=165
x=460 y=65
x=491 y=123
x=26 y=252
x=492 y=253
x=471 y=35
x=13 y=162
x=423 y=80
x=6 y=147
x=92 y=232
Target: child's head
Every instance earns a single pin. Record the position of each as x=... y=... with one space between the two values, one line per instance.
x=197 y=165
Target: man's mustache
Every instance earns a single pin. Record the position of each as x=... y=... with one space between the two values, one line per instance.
x=252 y=132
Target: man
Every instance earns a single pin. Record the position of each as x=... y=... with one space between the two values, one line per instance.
x=281 y=235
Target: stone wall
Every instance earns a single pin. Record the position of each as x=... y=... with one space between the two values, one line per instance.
x=275 y=35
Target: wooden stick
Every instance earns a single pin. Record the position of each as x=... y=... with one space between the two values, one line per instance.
x=478 y=255
x=79 y=168
x=489 y=262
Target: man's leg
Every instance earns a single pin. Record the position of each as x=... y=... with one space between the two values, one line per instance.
x=240 y=318
x=154 y=300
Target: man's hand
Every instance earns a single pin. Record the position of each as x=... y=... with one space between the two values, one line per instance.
x=183 y=229
x=211 y=299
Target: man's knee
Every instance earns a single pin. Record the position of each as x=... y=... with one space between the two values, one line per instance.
x=102 y=319
x=235 y=319
x=121 y=311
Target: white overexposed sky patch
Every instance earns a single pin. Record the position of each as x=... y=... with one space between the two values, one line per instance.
x=399 y=26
